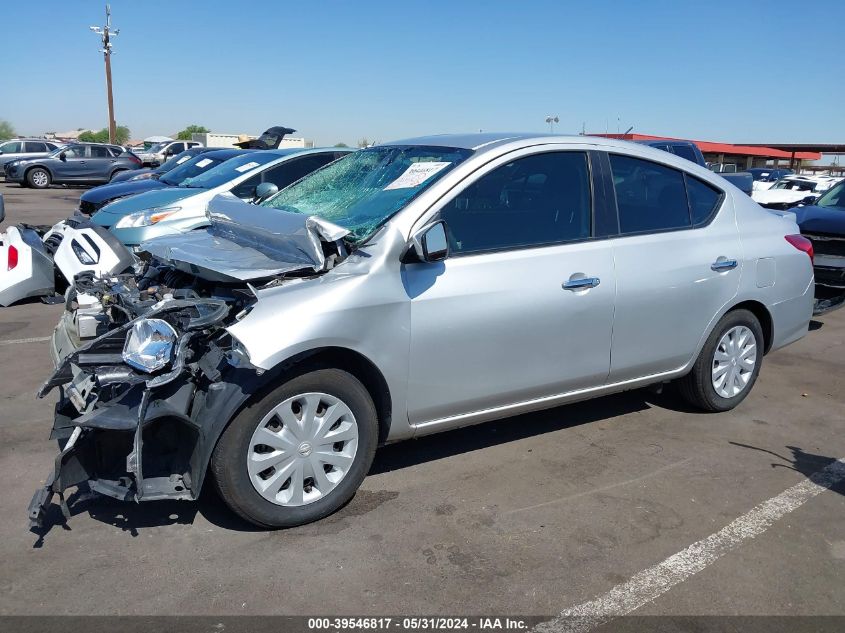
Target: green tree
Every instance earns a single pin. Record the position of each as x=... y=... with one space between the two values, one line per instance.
x=6 y=130
x=121 y=135
x=341 y=145
x=185 y=135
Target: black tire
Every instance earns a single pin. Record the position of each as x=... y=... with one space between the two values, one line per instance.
x=34 y=174
x=115 y=173
x=228 y=462
x=697 y=386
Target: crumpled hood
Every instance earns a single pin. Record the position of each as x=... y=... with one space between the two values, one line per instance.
x=112 y=212
x=246 y=242
x=821 y=219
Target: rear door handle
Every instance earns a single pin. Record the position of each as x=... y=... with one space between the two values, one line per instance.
x=722 y=264
x=581 y=283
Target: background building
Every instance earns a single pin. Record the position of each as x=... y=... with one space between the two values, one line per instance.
x=743 y=156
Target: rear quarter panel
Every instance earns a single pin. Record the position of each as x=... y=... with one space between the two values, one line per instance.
x=775 y=273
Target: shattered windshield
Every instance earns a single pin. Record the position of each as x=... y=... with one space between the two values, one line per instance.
x=361 y=191
x=834 y=197
x=224 y=172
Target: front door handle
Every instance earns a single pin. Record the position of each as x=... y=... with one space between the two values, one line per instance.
x=581 y=283
x=721 y=265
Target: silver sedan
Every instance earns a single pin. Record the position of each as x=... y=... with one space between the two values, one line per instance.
x=438 y=282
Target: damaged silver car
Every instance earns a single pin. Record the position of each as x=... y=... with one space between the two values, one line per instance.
x=406 y=289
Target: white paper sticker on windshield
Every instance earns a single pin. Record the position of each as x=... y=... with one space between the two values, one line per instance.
x=416 y=175
x=183 y=159
x=246 y=167
x=204 y=162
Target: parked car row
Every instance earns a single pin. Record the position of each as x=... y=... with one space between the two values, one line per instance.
x=273 y=340
x=793 y=190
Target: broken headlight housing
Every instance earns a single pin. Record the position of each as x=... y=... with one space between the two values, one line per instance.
x=145 y=218
x=149 y=345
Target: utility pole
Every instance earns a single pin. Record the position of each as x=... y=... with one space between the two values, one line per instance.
x=105 y=34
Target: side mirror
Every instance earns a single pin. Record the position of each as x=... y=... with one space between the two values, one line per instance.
x=264 y=191
x=2 y=209
x=63 y=157
x=430 y=243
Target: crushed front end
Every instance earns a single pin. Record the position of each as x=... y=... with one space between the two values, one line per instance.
x=138 y=365
x=145 y=368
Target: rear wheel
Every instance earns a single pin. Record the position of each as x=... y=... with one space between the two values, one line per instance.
x=728 y=365
x=298 y=453
x=115 y=173
x=38 y=178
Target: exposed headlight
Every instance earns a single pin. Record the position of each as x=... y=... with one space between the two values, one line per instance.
x=145 y=218
x=150 y=345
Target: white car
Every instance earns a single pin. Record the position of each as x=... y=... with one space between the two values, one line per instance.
x=792 y=191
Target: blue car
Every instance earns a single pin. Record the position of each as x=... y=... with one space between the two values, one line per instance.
x=94 y=199
x=823 y=223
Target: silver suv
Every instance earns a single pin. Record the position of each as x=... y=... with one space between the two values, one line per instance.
x=24 y=148
x=407 y=289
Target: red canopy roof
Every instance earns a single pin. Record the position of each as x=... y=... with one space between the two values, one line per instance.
x=722 y=148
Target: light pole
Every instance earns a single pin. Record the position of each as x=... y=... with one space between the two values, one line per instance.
x=105 y=34
x=551 y=120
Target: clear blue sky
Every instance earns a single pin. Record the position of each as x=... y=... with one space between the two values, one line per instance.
x=337 y=71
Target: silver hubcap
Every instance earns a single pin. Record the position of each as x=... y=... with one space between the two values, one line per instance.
x=39 y=178
x=302 y=449
x=734 y=361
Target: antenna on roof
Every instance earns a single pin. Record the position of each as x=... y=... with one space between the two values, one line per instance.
x=628 y=131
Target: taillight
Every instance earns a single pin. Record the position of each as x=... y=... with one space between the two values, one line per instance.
x=801 y=243
x=13 y=257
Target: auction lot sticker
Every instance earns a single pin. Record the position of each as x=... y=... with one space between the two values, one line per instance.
x=416 y=175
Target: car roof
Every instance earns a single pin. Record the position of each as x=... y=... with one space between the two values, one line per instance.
x=468 y=141
x=488 y=141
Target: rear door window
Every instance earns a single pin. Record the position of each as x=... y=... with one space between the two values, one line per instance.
x=36 y=146
x=704 y=200
x=98 y=151
x=649 y=197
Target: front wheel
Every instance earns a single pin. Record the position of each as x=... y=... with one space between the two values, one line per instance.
x=298 y=453
x=38 y=178
x=728 y=365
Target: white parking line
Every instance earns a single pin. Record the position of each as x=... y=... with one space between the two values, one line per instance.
x=18 y=341
x=653 y=582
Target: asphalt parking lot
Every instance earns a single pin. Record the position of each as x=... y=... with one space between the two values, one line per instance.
x=586 y=504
